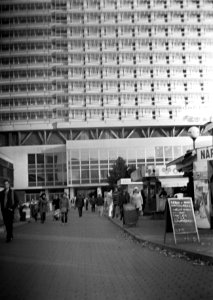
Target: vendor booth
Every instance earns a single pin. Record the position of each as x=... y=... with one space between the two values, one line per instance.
x=170 y=184
x=162 y=177
x=129 y=185
x=200 y=163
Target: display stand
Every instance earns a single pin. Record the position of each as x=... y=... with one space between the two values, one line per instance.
x=180 y=213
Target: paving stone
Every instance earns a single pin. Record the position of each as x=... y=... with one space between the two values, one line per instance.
x=91 y=259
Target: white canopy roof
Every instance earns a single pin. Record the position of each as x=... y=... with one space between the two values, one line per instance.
x=174 y=182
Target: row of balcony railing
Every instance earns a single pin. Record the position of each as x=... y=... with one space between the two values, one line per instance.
x=137 y=37
x=109 y=82
x=194 y=77
x=145 y=56
x=26 y=105
x=99 y=115
x=94 y=91
x=27 y=52
x=87 y=48
x=110 y=11
x=22 y=16
x=32 y=83
x=145 y=90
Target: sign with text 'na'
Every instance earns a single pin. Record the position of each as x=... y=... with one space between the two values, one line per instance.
x=205 y=153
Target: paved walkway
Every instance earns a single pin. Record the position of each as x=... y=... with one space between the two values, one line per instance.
x=92 y=259
x=152 y=231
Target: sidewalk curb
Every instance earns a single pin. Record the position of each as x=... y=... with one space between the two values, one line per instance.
x=161 y=246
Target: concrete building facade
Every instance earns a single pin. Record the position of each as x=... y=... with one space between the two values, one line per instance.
x=91 y=71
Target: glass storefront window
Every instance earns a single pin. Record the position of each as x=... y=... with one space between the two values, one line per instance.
x=104 y=174
x=40 y=158
x=168 y=153
x=93 y=156
x=49 y=158
x=112 y=155
x=93 y=165
x=177 y=151
x=31 y=159
x=150 y=155
x=94 y=176
x=85 y=176
x=122 y=153
x=40 y=179
x=159 y=155
x=159 y=152
x=131 y=156
x=47 y=169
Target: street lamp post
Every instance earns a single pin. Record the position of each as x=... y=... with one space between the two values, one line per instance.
x=194 y=132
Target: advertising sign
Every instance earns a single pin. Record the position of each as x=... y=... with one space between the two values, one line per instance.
x=202 y=173
x=182 y=217
x=202 y=205
x=205 y=153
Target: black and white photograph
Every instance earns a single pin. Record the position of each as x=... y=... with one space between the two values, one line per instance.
x=106 y=149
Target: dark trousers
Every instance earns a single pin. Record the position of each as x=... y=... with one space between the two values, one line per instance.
x=93 y=208
x=114 y=214
x=80 y=211
x=43 y=217
x=64 y=217
x=121 y=212
x=8 y=222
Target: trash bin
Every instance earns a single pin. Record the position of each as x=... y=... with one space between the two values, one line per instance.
x=130 y=217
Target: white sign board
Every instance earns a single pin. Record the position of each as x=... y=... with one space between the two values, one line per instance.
x=205 y=153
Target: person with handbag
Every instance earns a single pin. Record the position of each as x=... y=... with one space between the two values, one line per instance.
x=64 y=208
x=9 y=202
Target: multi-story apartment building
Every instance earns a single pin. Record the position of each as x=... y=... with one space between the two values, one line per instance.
x=85 y=81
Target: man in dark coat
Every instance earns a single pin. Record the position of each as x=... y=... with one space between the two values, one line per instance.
x=79 y=203
x=100 y=205
x=8 y=202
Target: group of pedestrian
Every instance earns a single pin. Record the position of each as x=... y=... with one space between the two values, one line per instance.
x=122 y=197
x=61 y=208
x=82 y=201
x=114 y=202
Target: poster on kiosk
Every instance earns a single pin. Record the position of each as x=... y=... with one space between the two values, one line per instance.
x=203 y=187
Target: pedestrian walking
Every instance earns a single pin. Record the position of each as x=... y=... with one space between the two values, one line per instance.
x=86 y=202
x=56 y=208
x=123 y=199
x=64 y=208
x=115 y=197
x=34 y=209
x=72 y=202
x=79 y=203
x=43 y=206
x=109 y=203
x=100 y=205
x=9 y=202
x=92 y=203
x=137 y=200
